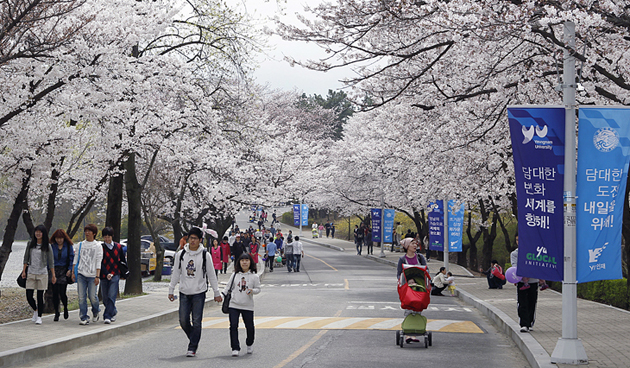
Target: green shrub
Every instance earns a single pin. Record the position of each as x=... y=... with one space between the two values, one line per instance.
x=613 y=292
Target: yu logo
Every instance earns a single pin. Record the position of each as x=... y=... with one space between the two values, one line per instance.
x=528 y=133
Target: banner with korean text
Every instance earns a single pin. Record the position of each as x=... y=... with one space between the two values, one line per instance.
x=388 y=225
x=603 y=156
x=305 y=214
x=537 y=135
x=376 y=224
x=455 y=225
x=296 y=215
x=436 y=226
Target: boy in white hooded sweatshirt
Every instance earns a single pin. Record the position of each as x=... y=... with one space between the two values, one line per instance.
x=192 y=276
x=243 y=284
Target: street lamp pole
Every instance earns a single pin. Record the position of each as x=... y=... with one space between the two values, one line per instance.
x=382 y=255
x=569 y=349
x=445 y=207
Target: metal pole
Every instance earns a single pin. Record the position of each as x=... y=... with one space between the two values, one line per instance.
x=300 y=217
x=445 y=206
x=382 y=255
x=569 y=349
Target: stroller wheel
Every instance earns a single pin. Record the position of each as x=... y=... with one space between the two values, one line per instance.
x=397 y=337
x=426 y=341
x=430 y=339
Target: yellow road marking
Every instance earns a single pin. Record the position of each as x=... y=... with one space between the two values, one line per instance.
x=301 y=350
x=322 y=261
x=347 y=285
x=344 y=323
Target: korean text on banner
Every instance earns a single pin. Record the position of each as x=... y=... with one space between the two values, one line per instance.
x=296 y=215
x=538 y=145
x=304 y=215
x=388 y=225
x=455 y=226
x=603 y=155
x=376 y=224
x=436 y=225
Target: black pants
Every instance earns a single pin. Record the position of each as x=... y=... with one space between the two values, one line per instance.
x=248 y=319
x=526 y=306
x=39 y=307
x=59 y=293
x=495 y=282
x=438 y=290
x=370 y=246
x=225 y=264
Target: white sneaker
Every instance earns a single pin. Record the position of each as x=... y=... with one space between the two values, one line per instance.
x=38 y=321
x=234 y=353
x=250 y=349
x=108 y=321
x=95 y=318
x=524 y=329
x=530 y=329
x=84 y=322
x=190 y=354
x=113 y=319
x=34 y=316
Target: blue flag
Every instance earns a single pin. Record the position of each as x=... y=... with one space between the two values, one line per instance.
x=603 y=156
x=436 y=226
x=388 y=225
x=455 y=226
x=296 y=215
x=376 y=224
x=304 y=215
x=538 y=145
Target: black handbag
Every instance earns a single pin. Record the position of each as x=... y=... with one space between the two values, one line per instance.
x=22 y=281
x=225 y=307
x=68 y=266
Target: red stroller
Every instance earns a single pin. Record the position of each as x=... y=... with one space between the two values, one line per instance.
x=414 y=290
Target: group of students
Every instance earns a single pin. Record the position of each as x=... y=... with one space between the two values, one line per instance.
x=88 y=263
x=190 y=271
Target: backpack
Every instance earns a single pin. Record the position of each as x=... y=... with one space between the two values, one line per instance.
x=203 y=266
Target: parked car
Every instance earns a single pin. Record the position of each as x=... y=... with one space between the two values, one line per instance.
x=169 y=247
x=147 y=255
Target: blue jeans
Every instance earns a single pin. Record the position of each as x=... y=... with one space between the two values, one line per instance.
x=109 y=291
x=191 y=304
x=290 y=262
x=296 y=261
x=87 y=289
x=359 y=246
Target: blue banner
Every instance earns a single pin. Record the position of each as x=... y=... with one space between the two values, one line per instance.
x=305 y=215
x=388 y=225
x=538 y=145
x=436 y=226
x=455 y=226
x=376 y=224
x=603 y=156
x=296 y=215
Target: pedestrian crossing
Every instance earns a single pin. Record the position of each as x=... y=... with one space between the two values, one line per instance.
x=344 y=323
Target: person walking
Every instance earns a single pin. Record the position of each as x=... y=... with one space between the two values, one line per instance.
x=358 y=238
x=86 y=272
x=113 y=268
x=288 y=252
x=254 y=249
x=191 y=272
x=238 y=247
x=332 y=229
x=271 y=253
x=243 y=285
x=63 y=253
x=298 y=253
x=39 y=259
x=217 y=256
x=225 y=253
x=327 y=226
x=368 y=240
x=320 y=230
x=411 y=257
x=526 y=298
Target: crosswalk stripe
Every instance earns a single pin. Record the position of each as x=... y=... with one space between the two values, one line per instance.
x=341 y=323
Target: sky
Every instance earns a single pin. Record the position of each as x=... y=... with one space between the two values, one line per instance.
x=273 y=70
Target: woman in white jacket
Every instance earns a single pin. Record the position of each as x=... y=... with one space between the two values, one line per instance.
x=243 y=284
x=440 y=282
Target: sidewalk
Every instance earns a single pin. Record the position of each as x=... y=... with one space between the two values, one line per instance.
x=603 y=329
x=17 y=347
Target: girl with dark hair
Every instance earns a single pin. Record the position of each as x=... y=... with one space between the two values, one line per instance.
x=243 y=285
x=63 y=252
x=38 y=257
x=440 y=282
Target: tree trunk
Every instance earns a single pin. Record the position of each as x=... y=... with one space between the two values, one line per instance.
x=113 y=217
x=52 y=197
x=474 y=264
x=506 y=235
x=12 y=222
x=133 y=285
x=488 y=234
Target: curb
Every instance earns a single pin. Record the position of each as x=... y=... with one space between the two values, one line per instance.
x=324 y=245
x=535 y=354
x=47 y=349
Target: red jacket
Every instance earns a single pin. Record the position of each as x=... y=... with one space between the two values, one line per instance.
x=225 y=248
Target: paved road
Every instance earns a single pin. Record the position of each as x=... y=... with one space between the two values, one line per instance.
x=340 y=311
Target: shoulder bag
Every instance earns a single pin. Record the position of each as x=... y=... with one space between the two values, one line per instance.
x=69 y=267
x=22 y=281
x=225 y=307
